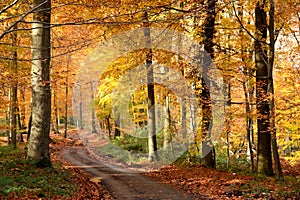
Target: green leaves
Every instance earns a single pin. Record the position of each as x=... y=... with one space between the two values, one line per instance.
x=21 y=177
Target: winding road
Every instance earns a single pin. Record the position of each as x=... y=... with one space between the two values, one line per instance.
x=121 y=183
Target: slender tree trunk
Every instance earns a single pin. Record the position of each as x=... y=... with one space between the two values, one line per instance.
x=248 y=90
x=29 y=126
x=183 y=116
x=167 y=124
x=7 y=120
x=278 y=169
x=264 y=161
x=13 y=115
x=80 y=116
x=108 y=126
x=14 y=92
x=208 y=151
x=249 y=120
x=66 y=100
x=55 y=123
x=22 y=108
x=38 y=148
x=93 y=109
x=117 y=126
x=152 y=145
x=228 y=119
x=20 y=134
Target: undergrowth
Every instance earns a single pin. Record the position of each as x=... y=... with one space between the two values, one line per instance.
x=20 y=176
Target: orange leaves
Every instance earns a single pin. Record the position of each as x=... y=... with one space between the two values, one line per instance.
x=214 y=184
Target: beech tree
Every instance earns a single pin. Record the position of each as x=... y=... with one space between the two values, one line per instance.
x=224 y=38
x=13 y=96
x=38 y=146
x=264 y=161
x=209 y=158
x=152 y=144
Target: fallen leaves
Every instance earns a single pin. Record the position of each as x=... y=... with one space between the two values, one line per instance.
x=197 y=180
x=88 y=187
x=215 y=184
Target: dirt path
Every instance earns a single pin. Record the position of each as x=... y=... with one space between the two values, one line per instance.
x=122 y=184
x=122 y=181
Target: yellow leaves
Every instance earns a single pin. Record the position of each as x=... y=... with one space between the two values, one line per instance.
x=96 y=179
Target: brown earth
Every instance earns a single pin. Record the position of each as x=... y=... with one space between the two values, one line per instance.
x=121 y=182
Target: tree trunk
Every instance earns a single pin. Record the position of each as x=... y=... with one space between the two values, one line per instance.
x=208 y=152
x=13 y=92
x=117 y=127
x=228 y=120
x=66 y=100
x=278 y=169
x=167 y=124
x=38 y=148
x=93 y=109
x=152 y=145
x=80 y=116
x=29 y=125
x=56 y=127
x=13 y=116
x=249 y=120
x=264 y=160
x=108 y=126
x=22 y=108
x=20 y=133
x=248 y=88
x=183 y=116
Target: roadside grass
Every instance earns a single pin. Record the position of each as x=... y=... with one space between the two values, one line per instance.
x=20 y=177
x=130 y=149
x=122 y=154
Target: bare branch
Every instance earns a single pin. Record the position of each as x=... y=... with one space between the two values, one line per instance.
x=8 y=30
x=241 y=23
x=9 y=6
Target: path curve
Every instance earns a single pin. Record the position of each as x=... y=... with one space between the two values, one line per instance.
x=122 y=184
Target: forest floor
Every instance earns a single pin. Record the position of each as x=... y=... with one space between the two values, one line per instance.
x=200 y=182
x=195 y=181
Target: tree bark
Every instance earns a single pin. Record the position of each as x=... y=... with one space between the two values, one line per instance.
x=106 y=120
x=278 y=169
x=208 y=151
x=66 y=100
x=183 y=114
x=22 y=108
x=228 y=120
x=248 y=88
x=152 y=144
x=80 y=116
x=167 y=124
x=38 y=147
x=264 y=160
x=20 y=127
x=29 y=126
x=249 y=119
x=55 y=126
x=80 y=110
x=13 y=92
x=93 y=109
x=117 y=126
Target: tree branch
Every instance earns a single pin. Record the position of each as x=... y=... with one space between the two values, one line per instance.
x=9 y=6
x=8 y=30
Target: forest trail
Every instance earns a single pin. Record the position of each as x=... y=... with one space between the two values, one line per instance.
x=121 y=182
